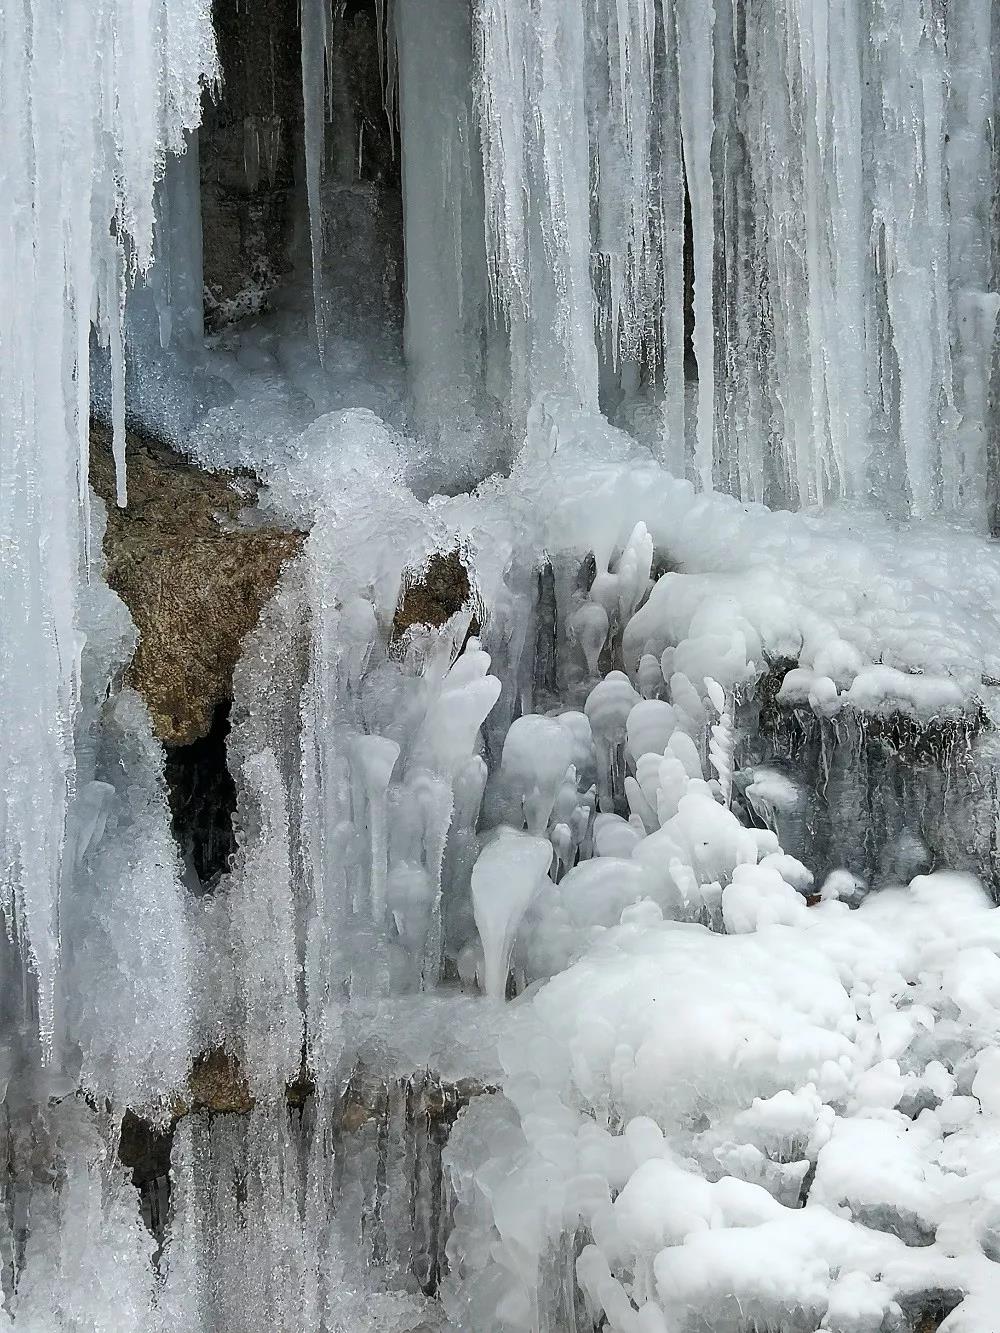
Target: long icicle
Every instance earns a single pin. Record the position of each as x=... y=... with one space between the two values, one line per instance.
x=695 y=58
x=315 y=19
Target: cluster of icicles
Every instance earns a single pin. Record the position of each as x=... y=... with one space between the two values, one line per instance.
x=591 y=810
x=80 y=165
x=832 y=165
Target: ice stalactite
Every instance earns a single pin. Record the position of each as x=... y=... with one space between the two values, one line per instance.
x=621 y=41
x=534 y=129
x=316 y=23
x=866 y=251
x=353 y=756
x=444 y=250
x=695 y=22
x=968 y=157
x=671 y=210
x=78 y=199
x=126 y=970
x=175 y=276
x=388 y=60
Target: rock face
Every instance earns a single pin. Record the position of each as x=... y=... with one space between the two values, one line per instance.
x=251 y=154
x=434 y=595
x=192 y=578
x=885 y=796
x=249 y=137
x=390 y=1132
x=218 y=1084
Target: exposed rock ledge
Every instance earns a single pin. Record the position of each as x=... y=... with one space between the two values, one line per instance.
x=193 y=579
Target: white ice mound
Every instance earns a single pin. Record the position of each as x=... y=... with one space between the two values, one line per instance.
x=505 y=878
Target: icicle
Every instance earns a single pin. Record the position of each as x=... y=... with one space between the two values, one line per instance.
x=845 y=363
x=385 y=35
x=622 y=111
x=534 y=131
x=974 y=316
x=315 y=24
x=375 y=757
x=446 y=282
x=116 y=337
x=695 y=21
x=671 y=205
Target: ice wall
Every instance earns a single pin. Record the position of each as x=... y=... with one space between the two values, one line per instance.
x=92 y=98
x=832 y=167
x=757 y=237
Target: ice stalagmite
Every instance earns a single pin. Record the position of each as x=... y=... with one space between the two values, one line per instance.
x=504 y=880
x=79 y=165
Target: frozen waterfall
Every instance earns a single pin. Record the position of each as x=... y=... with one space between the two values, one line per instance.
x=499 y=666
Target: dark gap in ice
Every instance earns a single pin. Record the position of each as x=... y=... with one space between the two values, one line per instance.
x=203 y=802
x=145 y=1149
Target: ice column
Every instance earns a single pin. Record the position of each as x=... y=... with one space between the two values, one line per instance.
x=443 y=211
x=536 y=160
x=969 y=162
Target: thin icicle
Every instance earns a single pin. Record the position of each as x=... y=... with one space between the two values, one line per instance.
x=695 y=20
x=315 y=36
x=116 y=338
x=671 y=206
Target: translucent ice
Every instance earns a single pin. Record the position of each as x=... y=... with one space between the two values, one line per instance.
x=506 y=876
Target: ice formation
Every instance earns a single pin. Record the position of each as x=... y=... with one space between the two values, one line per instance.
x=617 y=950
x=80 y=174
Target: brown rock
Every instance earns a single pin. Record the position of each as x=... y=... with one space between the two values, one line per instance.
x=217 y=1083
x=434 y=595
x=193 y=579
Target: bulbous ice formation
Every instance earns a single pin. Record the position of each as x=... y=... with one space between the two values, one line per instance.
x=608 y=706
x=589 y=627
x=505 y=878
x=537 y=752
x=454 y=717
